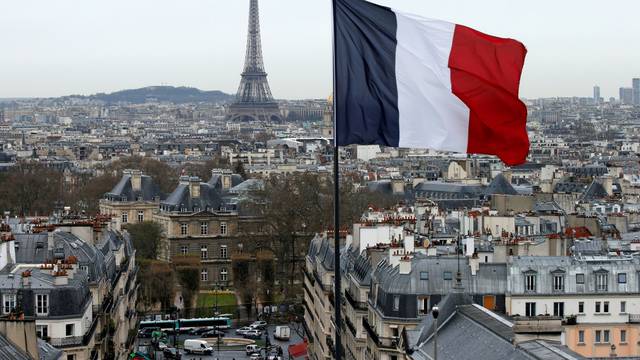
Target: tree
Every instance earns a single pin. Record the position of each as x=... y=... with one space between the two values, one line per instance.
x=244 y=279
x=31 y=189
x=187 y=269
x=146 y=238
x=238 y=168
x=157 y=280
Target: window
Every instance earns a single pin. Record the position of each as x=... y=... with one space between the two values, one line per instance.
x=605 y=336
x=42 y=304
x=223 y=228
x=71 y=357
x=598 y=336
x=184 y=250
x=84 y=268
x=623 y=307
x=424 y=275
x=423 y=305
x=223 y=274
x=204 y=275
x=622 y=278
x=42 y=331
x=204 y=228
x=598 y=303
x=558 y=283
x=605 y=307
x=204 y=252
x=581 y=307
x=530 y=309
x=623 y=336
x=69 y=330
x=448 y=275
x=601 y=282
x=140 y=216
x=579 y=278
x=184 y=229
x=558 y=309
x=125 y=217
x=223 y=251
x=395 y=332
x=8 y=303
x=530 y=283
x=396 y=303
x=581 y=337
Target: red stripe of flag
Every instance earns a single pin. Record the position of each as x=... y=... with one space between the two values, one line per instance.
x=485 y=75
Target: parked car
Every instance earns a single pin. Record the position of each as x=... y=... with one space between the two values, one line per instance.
x=194 y=346
x=213 y=334
x=243 y=330
x=253 y=334
x=162 y=346
x=252 y=349
x=282 y=333
x=260 y=325
x=146 y=332
x=199 y=331
x=172 y=353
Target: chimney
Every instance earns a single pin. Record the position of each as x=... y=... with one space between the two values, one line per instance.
x=397 y=186
x=26 y=278
x=136 y=180
x=194 y=187
x=607 y=183
x=184 y=180
x=474 y=264
x=226 y=180
x=405 y=265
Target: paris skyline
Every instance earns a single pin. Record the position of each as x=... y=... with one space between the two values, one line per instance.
x=84 y=48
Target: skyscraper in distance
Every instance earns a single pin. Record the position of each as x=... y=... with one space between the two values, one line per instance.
x=626 y=96
x=596 y=94
x=636 y=91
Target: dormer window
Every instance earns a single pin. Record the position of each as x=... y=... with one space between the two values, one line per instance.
x=558 y=280
x=530 y=281
x=602 y=281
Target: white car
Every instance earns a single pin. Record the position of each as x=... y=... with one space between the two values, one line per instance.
x=255 y=357
x=243 y=330
x=162 y=346
x=260 y=325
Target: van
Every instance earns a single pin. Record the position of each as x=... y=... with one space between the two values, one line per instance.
x=193 y=346
x=252 y=349
x=282 y=333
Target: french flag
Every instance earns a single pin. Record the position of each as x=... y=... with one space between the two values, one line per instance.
x=406 y=81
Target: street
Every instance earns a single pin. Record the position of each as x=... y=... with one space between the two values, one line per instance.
x=224 y=353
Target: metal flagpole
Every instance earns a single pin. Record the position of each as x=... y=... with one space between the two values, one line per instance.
x=336 y=202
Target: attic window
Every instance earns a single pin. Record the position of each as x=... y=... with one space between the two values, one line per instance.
x=424 y=275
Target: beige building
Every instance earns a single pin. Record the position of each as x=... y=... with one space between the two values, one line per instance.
x=133 y=200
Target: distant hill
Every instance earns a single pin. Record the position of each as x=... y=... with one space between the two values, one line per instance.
x=177 y=95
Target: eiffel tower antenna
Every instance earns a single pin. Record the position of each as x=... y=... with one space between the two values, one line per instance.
x=254 y=101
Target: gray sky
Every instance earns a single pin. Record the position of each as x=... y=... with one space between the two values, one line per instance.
x=60 y=47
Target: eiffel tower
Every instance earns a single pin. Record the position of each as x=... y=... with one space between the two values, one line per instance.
x=254 y=101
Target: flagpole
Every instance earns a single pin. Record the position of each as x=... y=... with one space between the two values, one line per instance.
x=336 y=202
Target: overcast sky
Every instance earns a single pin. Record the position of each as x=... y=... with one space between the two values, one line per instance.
x=61 y=47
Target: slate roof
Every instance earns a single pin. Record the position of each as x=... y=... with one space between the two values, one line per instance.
x=209 y=198
x=47 y=352
x=123 y=191
x=500 y=186
x=8 y=350
x=486 y=336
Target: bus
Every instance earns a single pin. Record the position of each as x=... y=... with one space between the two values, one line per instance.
x=220 y=322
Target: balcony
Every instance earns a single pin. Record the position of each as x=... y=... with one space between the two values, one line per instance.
x=634 y=318
x=350 y=326
x=381 y=342
x=355 y=304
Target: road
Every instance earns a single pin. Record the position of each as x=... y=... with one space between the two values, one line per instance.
x=229 y=354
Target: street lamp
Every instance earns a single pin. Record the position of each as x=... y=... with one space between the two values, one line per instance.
x=435 y=311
